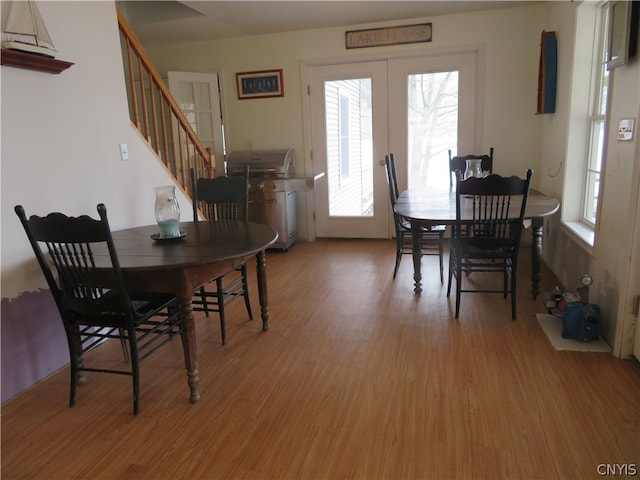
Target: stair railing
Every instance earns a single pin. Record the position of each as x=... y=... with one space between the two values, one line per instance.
x=157 y=116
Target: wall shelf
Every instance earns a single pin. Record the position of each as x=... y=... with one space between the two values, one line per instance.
x=29 y=61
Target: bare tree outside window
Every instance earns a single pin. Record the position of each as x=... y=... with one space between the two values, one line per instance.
x=432 y=126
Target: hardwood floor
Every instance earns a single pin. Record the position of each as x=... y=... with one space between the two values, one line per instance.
x=357 y=378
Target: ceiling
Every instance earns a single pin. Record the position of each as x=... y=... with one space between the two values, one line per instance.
x=161 y=23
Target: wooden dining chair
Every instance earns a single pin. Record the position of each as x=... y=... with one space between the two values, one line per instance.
x=95 y=304
x=459 y=163
x=224 y=198
x=493 y=224
x=431 y=238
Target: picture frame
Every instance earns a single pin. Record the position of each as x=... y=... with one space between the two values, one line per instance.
x=622 y=32
x=260 y=84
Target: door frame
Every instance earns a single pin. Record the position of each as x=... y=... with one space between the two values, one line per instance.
x=627 y=334
x=311 y=164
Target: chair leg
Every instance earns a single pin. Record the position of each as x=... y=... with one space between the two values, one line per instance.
x=135 y=372
x=399 y=243
x=441 y=255
x=398 y=258
x=505 y=282
x=245 y=288
x=76 y=363
x=458 y=287
x=123 y=344
x=73 y=358
x=513 y=293
x=450 y=275
x=203 y=296
x=220 y=294
x=451 y=266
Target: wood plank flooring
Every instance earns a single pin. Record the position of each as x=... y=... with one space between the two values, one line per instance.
x=357 y=378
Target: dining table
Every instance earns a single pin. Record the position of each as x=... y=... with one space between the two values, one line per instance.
x=436 y=205
x=203 y=251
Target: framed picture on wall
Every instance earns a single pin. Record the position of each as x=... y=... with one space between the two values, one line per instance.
x=260 y=84
x=622 y=32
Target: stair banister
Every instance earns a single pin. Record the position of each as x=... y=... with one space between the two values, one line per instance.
x=156 y=114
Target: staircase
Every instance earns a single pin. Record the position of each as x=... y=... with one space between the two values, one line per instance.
x=155 y=113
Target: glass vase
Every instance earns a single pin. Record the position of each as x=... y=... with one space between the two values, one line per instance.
x=167 y=211
x=473 y=168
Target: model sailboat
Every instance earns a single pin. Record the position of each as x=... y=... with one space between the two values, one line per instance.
x=25 y=30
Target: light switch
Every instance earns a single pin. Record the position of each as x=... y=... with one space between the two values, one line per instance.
x=625 y=129
x=124 y=152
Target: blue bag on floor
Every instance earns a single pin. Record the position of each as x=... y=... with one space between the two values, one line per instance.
x=581 y=321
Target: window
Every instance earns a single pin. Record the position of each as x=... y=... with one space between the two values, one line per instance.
x=587 y=124
x=597 y=117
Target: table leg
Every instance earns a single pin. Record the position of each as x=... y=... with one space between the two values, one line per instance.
x=188 y=335
x=536 y=254
x=417 y=256
x=262 y=288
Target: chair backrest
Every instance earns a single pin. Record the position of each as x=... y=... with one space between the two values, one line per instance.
x=389 y=164
x=459 y=163
x=221 y=198
x=79 y=288
x=392 y=176
x=497 y=208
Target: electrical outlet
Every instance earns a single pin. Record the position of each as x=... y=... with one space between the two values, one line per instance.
x=124 y=152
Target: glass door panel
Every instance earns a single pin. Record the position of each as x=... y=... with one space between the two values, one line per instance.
x=433 y=111
x=349 y=147
x=432 y=126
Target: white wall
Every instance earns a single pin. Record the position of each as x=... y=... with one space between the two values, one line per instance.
x=61 y=136
x=60 y=152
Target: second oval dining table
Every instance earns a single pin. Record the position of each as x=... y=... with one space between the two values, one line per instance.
x=437 y=206
x=206 y=251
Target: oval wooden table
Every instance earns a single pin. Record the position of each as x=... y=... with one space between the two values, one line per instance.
x=179 y=266
x=437 y=206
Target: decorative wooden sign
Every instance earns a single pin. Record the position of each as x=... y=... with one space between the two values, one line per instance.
x=378 y=37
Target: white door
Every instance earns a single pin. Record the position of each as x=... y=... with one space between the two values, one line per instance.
x=349 y=137
x=198 y=95
x=417 y=108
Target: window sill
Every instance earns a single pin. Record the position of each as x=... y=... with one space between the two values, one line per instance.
x=583 y=235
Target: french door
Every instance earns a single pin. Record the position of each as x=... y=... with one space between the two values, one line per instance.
x=417 y=108
x=349 y=138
